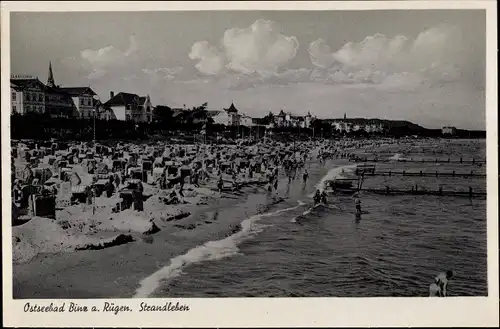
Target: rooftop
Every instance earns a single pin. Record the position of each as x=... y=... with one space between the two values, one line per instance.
x=123 y=99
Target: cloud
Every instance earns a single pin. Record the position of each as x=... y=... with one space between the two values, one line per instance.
x=436 y=54
x=258 y=49
x=100 y=61
x=211 y=60
x=163 y=73
x=320 y=54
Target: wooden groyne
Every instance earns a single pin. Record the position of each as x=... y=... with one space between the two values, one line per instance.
x=413 y=191
x=416 y=191
x=436 y=160
x=471 y=174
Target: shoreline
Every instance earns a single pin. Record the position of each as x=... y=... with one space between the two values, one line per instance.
x=123 y=268
x=58 y=274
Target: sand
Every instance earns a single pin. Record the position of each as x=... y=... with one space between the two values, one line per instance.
x=76 y=226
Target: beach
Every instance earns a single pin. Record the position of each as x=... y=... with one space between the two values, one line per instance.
x=272 y=242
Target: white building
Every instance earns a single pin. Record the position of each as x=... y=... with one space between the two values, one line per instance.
x=129 y=107
x=220 y=117
x=293 y=121
x=246 y=120
x=228 y=117
x=83 y=99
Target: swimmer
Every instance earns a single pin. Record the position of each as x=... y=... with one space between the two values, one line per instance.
x=438 y=287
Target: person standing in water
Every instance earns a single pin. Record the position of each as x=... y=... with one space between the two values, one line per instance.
x=324 y=197
x=317 y=197
x=357 y=203
x=440 y=284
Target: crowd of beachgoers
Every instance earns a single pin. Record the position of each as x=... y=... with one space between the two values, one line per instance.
x=70 y=196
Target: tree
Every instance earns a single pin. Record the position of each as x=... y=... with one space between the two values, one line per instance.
x=197 y=114
x=162 y=114
x=269 y=118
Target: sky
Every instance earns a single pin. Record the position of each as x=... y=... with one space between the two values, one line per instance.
x=425 y=66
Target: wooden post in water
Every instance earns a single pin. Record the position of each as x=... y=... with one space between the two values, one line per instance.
x=470 y=192
x=473 y=161
x=420 y=173
x=461 y=160
x=389 y=173
x=437 y=173
x=403 y=172
x=453 y=173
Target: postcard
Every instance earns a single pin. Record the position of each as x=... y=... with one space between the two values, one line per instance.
x=249 y=164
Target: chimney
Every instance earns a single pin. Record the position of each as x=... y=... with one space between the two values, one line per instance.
x=111 y=94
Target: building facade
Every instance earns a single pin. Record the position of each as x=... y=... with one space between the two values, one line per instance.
x=59 y=104
x=83 y=99
x=246 y=120
x=27 y=95
x=129 y=107
x=220 y=117
x=287 y=120
x=146 y=108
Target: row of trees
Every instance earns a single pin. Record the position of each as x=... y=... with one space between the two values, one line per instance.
x=170 y=122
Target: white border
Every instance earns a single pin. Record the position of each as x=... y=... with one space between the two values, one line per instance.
x=269 y=312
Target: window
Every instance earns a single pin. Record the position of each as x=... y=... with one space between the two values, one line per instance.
x=13 y=96
x=28 y=108
x=25 y=96
x=14 y=108
x=128 y=117
x=40 y=97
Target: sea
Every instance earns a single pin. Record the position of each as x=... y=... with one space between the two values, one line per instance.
x=395 y=248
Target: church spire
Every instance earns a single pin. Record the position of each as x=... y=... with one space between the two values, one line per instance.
x=50 y=80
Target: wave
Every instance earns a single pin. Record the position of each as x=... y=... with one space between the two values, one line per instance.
x=212 y=250
x=333 y=173
x=313 y=207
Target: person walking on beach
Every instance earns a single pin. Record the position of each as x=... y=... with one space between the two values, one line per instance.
x=440 y=284
x=220 y=184
x=305 y=176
